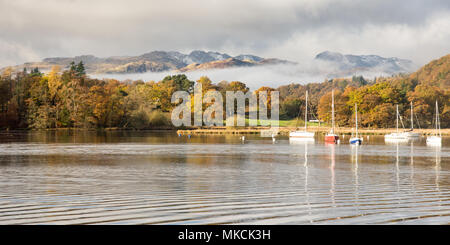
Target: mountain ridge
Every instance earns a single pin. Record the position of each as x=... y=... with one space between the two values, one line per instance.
x=351 y=62
x=155 y=61
x=336 y=64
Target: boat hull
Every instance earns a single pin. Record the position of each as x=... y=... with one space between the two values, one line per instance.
x=301 y=135
x=412 y=135
x=301 y=141
x=331 y=138
x=396 y=136
x=434 y=140
x=355 y=141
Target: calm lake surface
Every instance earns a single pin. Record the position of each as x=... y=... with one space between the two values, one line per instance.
x=160 y=178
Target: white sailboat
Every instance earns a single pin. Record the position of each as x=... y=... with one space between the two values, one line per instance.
x=411 y=134
x=304 y=135
x=332 y=137
x=397 y=136
x=436 y=139
x=356 y=140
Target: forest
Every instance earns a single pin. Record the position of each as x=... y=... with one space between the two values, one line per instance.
x=71 y=99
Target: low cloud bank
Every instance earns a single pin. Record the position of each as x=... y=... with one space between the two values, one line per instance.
x=256 y=77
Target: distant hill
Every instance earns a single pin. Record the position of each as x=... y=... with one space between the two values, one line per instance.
x=436 y=73
x=238 y=61
x=155 y=61
x=349 y=64
x=218 y=64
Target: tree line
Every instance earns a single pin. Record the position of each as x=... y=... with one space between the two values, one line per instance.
x=376 y=100
x=71 y=99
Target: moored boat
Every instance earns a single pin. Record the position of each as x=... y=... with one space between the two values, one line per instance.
x=356 y=140
x=303 y=134
x=436 y=139
x=411 y=133
x=396 y=136
x=332 y=137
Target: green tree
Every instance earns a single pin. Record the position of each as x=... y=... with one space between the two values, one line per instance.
x=181 y=82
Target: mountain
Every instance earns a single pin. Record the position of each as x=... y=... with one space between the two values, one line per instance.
x=155 y=61
x=349 y=64
x=329 y=64
x=217 y=64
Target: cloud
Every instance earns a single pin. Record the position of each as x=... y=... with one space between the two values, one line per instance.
x=290 y=29
x=420 y=43
x=253 y=77
x=256 y=76
x=13 y=53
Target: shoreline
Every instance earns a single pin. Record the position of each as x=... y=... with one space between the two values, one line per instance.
x=285 y=131
x=88 y=129
x=239 y=130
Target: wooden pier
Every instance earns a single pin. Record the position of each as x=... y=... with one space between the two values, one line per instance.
x=285 y=131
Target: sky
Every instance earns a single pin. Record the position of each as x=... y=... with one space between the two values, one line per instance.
x=295 y=30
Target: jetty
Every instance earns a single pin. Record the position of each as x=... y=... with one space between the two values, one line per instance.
x=285 y=131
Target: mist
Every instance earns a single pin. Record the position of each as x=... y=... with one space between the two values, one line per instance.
x=258 y=76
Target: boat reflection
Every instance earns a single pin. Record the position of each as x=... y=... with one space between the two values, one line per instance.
x=305 y=165
x=397 y=169
x=413 y=189
x=332 y=166
x=437 y=170
x=354 y=160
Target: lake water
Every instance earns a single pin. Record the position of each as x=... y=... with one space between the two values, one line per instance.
x=160 y=178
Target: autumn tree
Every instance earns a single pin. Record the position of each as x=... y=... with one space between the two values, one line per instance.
x=267 y=101
x=180 y=82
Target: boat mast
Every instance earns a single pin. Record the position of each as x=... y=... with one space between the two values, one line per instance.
x=306 y=110
x=412 y=120
x=356 y=117
x=332 y=111
x=396 y=119
x=438 y=124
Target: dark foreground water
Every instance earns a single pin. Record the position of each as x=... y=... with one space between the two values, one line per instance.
x=160 y=178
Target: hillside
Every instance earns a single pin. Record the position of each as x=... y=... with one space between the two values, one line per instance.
x=436 y=73
x=244 y=61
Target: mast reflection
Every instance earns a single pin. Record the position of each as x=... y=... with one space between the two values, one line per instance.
x=354 y=158
x=437 y=170
x=333 y=180
x=305 y=165
x=412 y=166
x=397 y=168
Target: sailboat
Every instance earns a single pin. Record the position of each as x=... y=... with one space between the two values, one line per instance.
x=331 y=137
x=397 y=136
x=303 y=134
x=356 y=140
x=412 y=134
x=436 y=139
